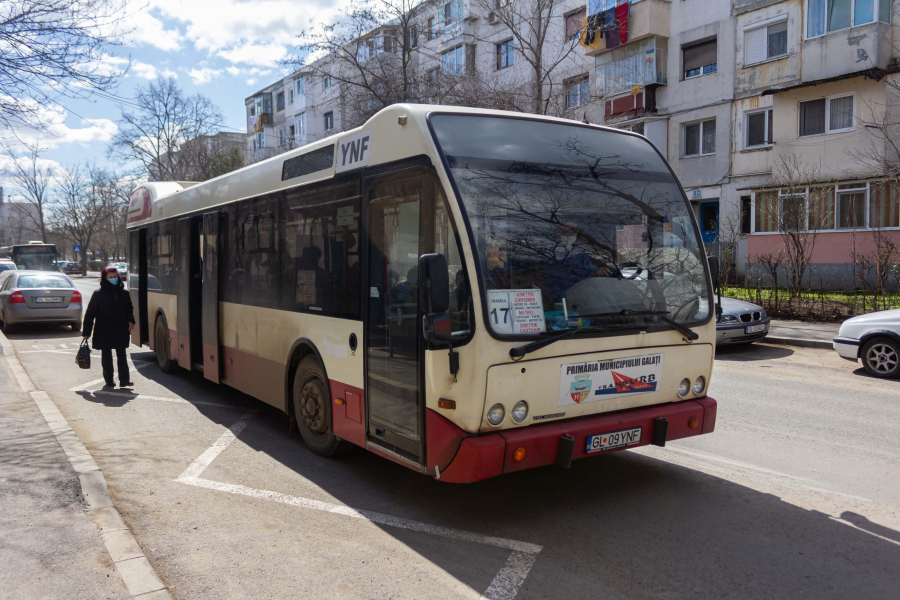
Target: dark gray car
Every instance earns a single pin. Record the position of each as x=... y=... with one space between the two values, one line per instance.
x=38 y=297
x=741 y=323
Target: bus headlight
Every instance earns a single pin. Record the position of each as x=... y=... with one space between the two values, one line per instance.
x=684 y=387
x=699 y=384
x=519 y=411
x=495 y=415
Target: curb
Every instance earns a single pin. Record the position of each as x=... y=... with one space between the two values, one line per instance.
x=803 y=343
x=137 y=573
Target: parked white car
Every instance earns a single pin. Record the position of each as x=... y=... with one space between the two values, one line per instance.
x=874 y=338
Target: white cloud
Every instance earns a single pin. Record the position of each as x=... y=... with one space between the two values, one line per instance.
x=147 y=29
x=57 y=133
x=263 y=55
x=204 y=75
x=251 y=81
x=148 y=71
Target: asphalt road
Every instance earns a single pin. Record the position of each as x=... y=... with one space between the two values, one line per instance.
x=795 y=495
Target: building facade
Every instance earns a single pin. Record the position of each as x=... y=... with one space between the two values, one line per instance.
x=774 y=114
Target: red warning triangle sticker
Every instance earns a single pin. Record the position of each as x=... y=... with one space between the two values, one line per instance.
x=624 y=383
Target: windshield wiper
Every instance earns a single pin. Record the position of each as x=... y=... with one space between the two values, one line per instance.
x=520 y=351
x=660 y=314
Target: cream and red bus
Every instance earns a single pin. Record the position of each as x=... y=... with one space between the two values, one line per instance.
x=465 y=292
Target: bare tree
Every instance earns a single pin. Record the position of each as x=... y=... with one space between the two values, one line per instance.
x=540 y=40
x=223 y=160
x=54 y=48
x=154 y=137
x=32 y=178
x=85 y=198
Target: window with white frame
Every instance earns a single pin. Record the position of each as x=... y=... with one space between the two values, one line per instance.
x=700 y=58
x=827 y=115
x=291 y=96
x=759 y=129
x=765 y=42
x=505 y=54
x=578 y=91
x=329 y=121
x=453 y=11
x=326 y=82
x=300 y=85
x=823 y=16
x=260 y=141
x=300 y=124
x=700 y=138
x=453 y=60
x=850 y=206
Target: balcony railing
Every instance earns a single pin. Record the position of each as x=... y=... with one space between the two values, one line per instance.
x=647 y=67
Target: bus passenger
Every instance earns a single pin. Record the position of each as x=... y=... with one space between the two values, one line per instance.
x=112 y=310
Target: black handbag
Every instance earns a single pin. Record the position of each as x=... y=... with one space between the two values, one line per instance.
x=83 y=358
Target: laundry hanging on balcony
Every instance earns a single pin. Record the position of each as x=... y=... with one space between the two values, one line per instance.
x=622 y=21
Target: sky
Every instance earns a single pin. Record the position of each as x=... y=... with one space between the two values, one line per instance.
x=223 y=49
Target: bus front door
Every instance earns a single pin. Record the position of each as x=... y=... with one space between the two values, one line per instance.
x=393 y=332
x=185 y=288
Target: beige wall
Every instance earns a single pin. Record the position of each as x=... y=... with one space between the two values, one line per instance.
x=757 y=160
x=752 y=79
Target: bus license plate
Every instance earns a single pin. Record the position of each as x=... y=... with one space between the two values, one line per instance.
x=756 y=328
x=48 y=299
x=616 y=439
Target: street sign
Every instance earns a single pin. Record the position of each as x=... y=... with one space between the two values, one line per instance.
x=97 y=254
x=76 y=249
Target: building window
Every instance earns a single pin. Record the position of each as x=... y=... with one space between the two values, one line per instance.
x=291 y=96
x=282 y=137
x=823 y=16
x=827 y=115
x=412 y=36
x=430 y=33
x=578 y=91
x=745 y=214
x=279 y=99
x=851 y=206
x=453 y=61
x=574 y=24
x=326 y=82
x=700 y=138
x=300 y=124
x=300 y=85
x=505 y=55
x=329 y=121
x=292 y=130
x=253 y=111
x=765 y=43
x=453 y=11
x=759 y=129
x=699 y=59
x=260 y=141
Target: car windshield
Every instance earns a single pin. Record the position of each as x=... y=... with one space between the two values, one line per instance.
x=573 y=226
x=42 y=281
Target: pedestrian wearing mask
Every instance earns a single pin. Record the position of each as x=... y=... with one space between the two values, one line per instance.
x=113 y=312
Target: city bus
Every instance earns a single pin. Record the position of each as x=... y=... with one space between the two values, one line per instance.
x=465 y=292
x=34 y=256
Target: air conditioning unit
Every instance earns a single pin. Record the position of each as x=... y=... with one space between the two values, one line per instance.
x=492 y=17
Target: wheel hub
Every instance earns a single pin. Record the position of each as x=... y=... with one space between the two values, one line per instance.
x=313 y=408
x=882 y=358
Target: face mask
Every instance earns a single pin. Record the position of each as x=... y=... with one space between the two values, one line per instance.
x=113 y=281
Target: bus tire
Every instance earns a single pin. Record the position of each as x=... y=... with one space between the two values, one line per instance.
x=161 y=346
x=312 y=409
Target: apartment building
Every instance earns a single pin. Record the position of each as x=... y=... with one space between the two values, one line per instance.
x=732 y=92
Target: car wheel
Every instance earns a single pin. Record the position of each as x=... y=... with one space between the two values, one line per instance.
x=76 y=326
x=312 y=410
x=6 y=327
x=161 y=346
x=881 y=357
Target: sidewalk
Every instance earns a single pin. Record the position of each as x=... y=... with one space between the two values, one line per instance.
x=49 y=546
x=801 y=333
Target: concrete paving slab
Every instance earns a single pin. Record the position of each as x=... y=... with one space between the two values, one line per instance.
x=96 y=493
x=83 y=464
x=108 y=519
x=122 y=545
x=139 y=576
x=157 y=595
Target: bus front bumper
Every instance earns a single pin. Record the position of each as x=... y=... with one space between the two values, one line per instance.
x=483 y=456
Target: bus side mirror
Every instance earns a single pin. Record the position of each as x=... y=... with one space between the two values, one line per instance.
x=434 y=281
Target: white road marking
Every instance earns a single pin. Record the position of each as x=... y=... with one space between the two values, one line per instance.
x=505 y=584
x=136 y=396
x=83 y=387
x=46 y=352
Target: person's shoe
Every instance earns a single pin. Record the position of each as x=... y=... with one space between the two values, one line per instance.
x=126 y=384
x=109 y=384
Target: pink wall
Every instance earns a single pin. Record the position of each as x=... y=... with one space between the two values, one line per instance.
x=830 y=248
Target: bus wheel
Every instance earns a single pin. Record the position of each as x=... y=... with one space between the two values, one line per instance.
x=161 y=344
x=312 y=409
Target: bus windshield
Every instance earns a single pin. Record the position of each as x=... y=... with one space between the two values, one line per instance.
x=573 y=226
x=34 y=257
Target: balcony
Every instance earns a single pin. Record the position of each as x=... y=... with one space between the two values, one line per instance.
x=645 y=19
x=846 y=51
x=633 y=66
x=258 y=121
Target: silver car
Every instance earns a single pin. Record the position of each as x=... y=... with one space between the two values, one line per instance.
x=741 y=323
x=38 y=297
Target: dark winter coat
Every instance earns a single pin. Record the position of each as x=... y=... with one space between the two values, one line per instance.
x=112 y=309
